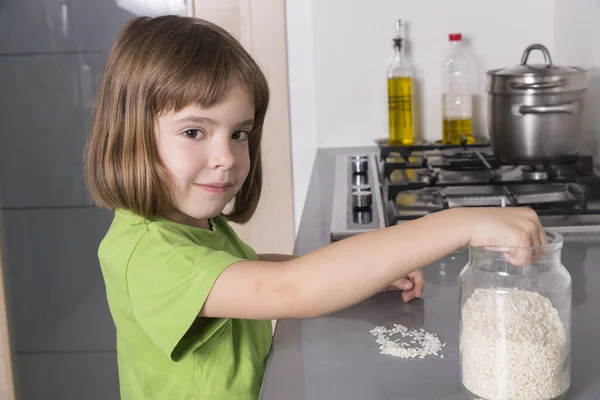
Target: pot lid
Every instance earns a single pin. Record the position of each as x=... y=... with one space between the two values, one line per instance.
x=538 y=70
x=536 y=79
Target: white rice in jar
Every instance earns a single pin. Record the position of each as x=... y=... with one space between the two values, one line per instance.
x=513 y=346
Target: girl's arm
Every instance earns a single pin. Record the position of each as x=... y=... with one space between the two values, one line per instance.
x=412 y=285
x=346 y=272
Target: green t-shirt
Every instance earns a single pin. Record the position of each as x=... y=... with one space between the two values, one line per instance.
x=158 y=274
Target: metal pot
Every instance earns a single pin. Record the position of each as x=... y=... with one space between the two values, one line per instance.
x=535 y=111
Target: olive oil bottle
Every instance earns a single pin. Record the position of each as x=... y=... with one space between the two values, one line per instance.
x=457 y=99
x=457 y=129
x=400 y=94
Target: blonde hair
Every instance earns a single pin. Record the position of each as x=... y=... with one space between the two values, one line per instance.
x=157 y=65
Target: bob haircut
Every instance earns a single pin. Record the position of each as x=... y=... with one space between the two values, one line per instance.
x=159 y=65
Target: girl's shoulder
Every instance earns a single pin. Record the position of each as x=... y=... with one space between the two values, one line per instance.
x=130 y=231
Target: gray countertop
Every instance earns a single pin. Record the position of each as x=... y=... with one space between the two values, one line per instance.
x=335 y=357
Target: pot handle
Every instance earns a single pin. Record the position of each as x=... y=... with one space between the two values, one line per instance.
x=539 y=85
x=540 y=47
x=566 y=108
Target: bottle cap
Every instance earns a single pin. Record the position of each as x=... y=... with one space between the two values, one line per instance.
x=455 y=37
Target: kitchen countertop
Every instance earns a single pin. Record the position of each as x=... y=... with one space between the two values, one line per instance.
x=335 y=357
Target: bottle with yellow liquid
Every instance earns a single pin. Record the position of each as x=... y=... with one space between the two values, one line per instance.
x=457 y=96
x=400 y=94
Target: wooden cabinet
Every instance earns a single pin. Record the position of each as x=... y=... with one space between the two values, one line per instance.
x=7 y=389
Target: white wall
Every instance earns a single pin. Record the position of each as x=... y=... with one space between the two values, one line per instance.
x=352 y=43
x=338 y=50
x=302 y=94
x=577 y=34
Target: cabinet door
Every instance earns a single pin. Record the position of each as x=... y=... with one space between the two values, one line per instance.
x=59 y=26
x=54 y=282
x=67 y=376
x=45 y=108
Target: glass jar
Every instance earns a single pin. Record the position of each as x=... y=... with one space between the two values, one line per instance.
x=515 y=323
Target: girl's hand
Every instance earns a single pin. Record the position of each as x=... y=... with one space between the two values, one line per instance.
x=512 y=228
x=412 y=286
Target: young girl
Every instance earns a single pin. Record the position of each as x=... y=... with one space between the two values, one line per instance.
x=174 y=149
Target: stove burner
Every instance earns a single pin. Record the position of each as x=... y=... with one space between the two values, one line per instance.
x=424 y=176
x=465 y=155
x=428 y=175
x=394 y=190
x=539 y=172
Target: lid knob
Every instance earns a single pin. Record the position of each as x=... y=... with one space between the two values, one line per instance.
x=540 y=47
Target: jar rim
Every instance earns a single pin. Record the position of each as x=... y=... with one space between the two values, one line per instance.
x=555 y=243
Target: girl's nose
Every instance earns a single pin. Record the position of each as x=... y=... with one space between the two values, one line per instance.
x=221 y=155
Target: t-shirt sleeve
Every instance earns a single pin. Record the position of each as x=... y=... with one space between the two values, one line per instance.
x=168 y=283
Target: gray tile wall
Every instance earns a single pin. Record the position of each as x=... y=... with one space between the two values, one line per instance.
x=51 y=57
x=45 y=107
x=58 y=26
x=58 y=285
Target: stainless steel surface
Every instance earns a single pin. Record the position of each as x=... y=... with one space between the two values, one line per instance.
x=568 y=195
x=360 y=179
x=536 y=173
x=493 y=196
x=362 y=197
x=546 y=78
x=540 y=85
x=543 y=49
x=362 y=216
x=535 y=111
x=520 y=135
x=567 y=108
x=342 y=213
x=359 y=164
x=335 y=357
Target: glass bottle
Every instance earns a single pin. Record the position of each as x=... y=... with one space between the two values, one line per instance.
x=515 y=324
x=400 y=94
x=457 y=96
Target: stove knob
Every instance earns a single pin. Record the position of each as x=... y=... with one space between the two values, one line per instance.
x=362 y=217
x=360 y=180
x=360 y=164
x=362 y=198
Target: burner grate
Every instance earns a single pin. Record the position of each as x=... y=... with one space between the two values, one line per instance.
x=471 y=176
x=540 y=172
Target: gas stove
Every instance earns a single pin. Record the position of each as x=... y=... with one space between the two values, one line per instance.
x=399 y=183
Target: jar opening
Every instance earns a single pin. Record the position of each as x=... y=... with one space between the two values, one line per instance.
x=555 y=243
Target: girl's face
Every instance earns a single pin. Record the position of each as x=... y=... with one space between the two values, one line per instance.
x=206 y=153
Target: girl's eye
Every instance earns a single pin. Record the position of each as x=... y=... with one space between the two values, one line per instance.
x=194 y=133
x=240 y=135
